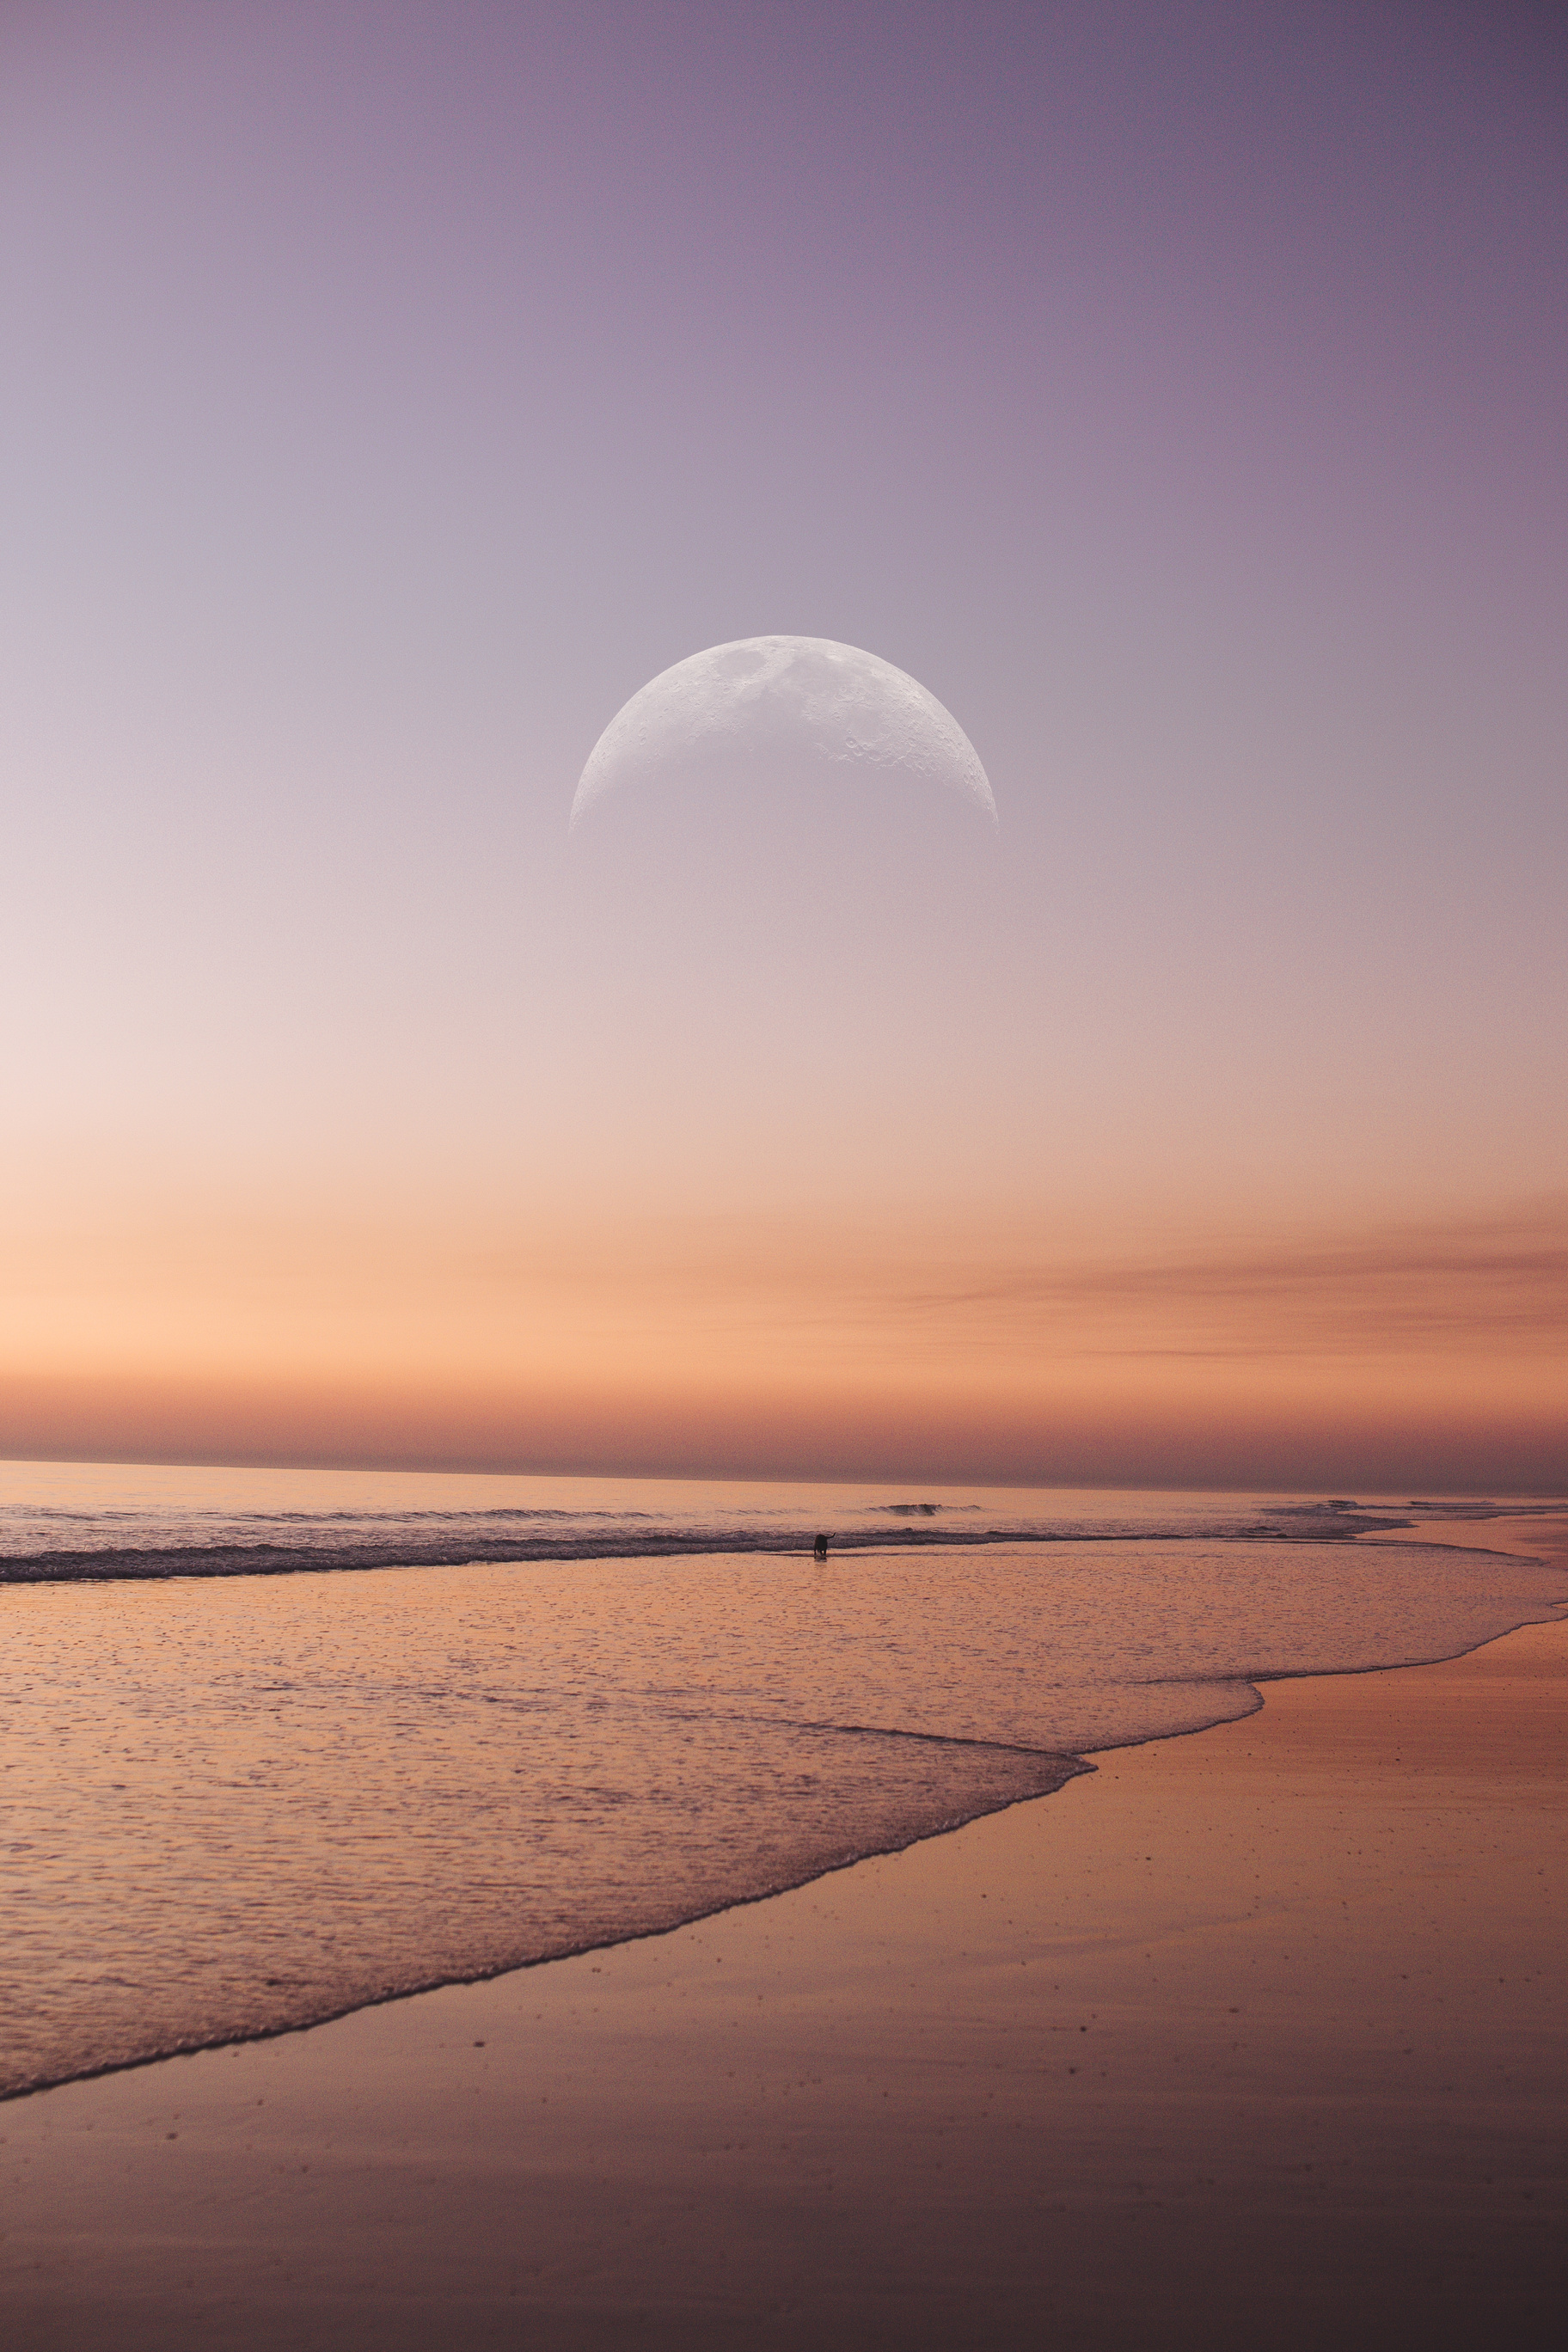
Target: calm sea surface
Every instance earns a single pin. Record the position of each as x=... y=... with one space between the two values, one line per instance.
x=275 y=1743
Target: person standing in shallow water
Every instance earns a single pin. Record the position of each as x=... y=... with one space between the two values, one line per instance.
x=820 y=1548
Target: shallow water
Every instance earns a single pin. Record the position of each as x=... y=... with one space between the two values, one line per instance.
x=236 y=1802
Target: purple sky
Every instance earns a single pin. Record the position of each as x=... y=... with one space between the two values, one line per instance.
x=1177 y=392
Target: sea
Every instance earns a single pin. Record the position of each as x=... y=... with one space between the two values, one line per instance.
x=276 y=1744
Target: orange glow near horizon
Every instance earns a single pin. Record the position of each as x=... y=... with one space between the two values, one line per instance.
x=778 y=1346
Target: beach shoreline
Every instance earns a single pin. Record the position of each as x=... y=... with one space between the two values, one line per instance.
x=1274 y=2011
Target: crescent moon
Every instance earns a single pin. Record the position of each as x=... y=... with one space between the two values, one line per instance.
x=793 y=694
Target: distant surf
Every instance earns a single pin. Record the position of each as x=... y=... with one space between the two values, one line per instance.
x=38 y=1543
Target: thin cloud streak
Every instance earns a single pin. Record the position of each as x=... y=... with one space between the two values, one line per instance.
x=1457 y=1287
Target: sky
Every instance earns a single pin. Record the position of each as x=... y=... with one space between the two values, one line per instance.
x=1176 y=392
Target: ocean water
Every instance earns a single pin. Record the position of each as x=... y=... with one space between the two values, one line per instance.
x=244 y=1787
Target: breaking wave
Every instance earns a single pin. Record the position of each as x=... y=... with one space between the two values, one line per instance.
x=40 y=1544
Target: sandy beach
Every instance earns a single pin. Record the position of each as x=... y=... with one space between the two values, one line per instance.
x=1250 y=2036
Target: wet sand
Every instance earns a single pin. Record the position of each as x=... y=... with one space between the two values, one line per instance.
x=1253 y=2037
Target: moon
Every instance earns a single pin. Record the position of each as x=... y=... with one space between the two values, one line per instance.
x=792 y=694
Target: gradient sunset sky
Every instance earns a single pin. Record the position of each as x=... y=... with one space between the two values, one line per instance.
x=1178 y=393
